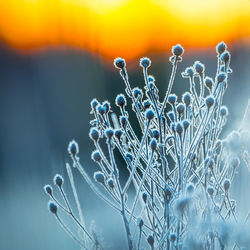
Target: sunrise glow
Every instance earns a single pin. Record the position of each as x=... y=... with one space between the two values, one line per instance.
x=122 y=27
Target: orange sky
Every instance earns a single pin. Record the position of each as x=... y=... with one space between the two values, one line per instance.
x=126 y=28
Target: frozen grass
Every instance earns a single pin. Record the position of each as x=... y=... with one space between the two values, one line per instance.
x=181 y=170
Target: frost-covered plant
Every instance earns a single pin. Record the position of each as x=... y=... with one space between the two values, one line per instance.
x=180 y=169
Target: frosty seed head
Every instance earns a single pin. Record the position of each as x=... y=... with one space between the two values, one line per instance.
x=190 y=188
x=186 y=98
x=73 y=148
x=189 y=72
x=209 y=82
x=145 y=62
x=94 y=103
x=144 y=197
x=170 y=114
x=48 y=189
x=177 y=50
x=210 y=191
x=52 y=207
x=99 y=177
x=235 y=162
x=123 y=121
x=150 y=114
x=225 y=57
x=155 y=134
x=120 y=100
x=179 y=128
x=199 y=67
x=109 y=132
x=106 y=106
x=100 y=109
x=209 y=101
x=110 y=183
x=129 y=156
x=96 y=156
x=180 y=108
x=118 y=133
x=140 y=222
x=172 y=99
x=221 y=47
x=172 y=237
x=58 y=180
x=146 y=104
x=153 y=144
x=151 y=240
x=185 y=124
x=151 y=78
x=119 y=63
x=137 y=93
x=210 y=163
x=226 y=185
x=221 y=77
x=94 y=134
x=223 y=111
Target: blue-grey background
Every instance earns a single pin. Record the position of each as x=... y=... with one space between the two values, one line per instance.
x=44 y=103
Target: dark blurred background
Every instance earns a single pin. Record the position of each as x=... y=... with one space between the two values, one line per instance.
x=44 y=103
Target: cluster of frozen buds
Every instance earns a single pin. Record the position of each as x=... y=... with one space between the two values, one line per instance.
x=180 y=173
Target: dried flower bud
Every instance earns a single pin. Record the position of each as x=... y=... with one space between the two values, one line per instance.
x=153 y=144
x=119 y=63
x=185 y=124
x=209 y=82
x=179 y=128
x=106 y=106
x=226 y=185
x=223 y=111
x=180 y=108
x=151 y=240
x=96 y=156
x=172 y=99
x=109 y=132
x=172 y=237
x=58 y=180
x=99 y=177
x=221 y=77
x=199 y=67
x=118 y=133
x=123 y=121
x=151 y=78
x=144 y=197
x=94 y=103
x=145 y=62
x=177 y=50
x=52 y=207
x=121 y=100
x=210 y=191
x=150 y=114
x=225 y=57
x=209 y=101
x=129 y=156
x=110 y=183
x=235 y=162
x=146 y=104
x=189 y=72
x=48 y=189
x=170 y=114
x=140 y=222
x=186 y=98
x=155 y=134
x=137 y=93
x=73 y=148
x=221 y=47
x=190 y=188
x=94 y=134
x=101 y=109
